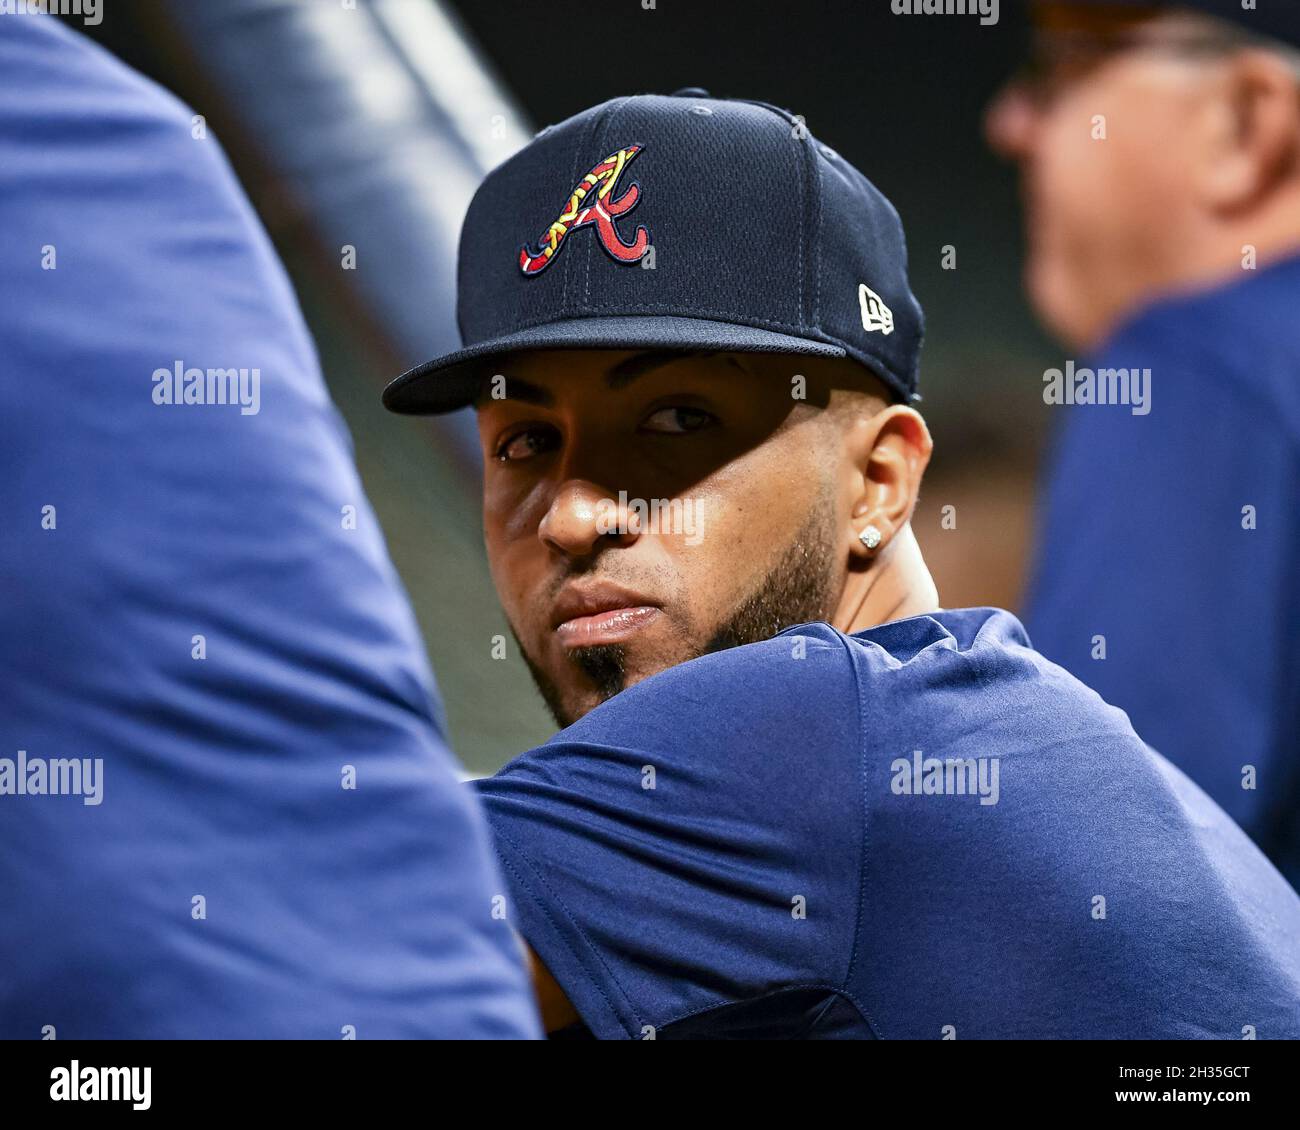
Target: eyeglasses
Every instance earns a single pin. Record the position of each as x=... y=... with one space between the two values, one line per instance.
x=1059 y=58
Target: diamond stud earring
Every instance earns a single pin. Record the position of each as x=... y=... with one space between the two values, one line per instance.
x=870 y=537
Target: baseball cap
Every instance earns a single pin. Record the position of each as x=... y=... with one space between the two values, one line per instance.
x=1273 y=19
x=676 y=221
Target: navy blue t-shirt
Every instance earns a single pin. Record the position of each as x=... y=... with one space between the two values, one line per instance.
x=1172 y=540
x=921 y=830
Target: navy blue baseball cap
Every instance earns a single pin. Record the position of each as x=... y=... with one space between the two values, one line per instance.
x=676 y=222
x=1272 y=19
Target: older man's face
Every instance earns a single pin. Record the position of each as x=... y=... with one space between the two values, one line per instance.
x=728 y=528
x=1106 y=138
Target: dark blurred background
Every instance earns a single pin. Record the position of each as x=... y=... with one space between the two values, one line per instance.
x=366 y=125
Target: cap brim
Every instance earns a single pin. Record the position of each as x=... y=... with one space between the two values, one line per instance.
x=447 y=383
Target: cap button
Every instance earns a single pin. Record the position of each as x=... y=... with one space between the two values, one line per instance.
x=690 y=92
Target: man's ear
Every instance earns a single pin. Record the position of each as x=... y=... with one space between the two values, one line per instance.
x=1253 y=130
x=892 y=450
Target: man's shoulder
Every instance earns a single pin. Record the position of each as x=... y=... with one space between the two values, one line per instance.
x=945 y=664
x=757 y=702
x=807 y=668
x=813 y=708
x=812 y=685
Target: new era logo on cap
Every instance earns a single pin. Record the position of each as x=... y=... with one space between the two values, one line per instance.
x=876 y=316
x=762 y=236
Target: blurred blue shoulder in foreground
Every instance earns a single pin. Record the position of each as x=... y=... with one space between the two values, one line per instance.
x=226 y=809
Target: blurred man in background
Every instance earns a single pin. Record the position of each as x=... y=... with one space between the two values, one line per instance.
x=226 y=809
x=1160 y=151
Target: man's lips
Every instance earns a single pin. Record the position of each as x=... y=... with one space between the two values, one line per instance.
x=605 y=627
x=601 y=613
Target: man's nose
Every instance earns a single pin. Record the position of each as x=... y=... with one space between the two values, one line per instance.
x=1010 y=121
x=584 y=518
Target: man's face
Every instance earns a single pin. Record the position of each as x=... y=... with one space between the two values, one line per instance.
x=728 y=531
x=1104 y=139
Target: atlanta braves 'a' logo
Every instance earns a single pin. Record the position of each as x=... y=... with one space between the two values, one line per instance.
x=601 y=210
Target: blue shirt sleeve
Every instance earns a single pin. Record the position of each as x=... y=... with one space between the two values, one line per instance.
x=689 y=854
x=198 y=599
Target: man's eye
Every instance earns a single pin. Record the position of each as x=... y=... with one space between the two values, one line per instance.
x=526 y=443
x=679 y=421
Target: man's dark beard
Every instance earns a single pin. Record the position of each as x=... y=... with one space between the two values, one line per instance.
x=800 y=588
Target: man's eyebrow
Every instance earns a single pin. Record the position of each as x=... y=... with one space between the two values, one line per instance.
x=516 y=389
x=617 y=377
x=627 y=370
